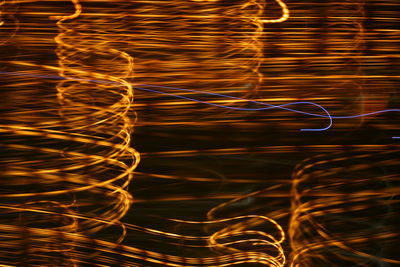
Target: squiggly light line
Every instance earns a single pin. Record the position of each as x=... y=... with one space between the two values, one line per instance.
x=269 y=106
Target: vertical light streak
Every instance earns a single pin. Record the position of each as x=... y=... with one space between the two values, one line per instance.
x=98 y=110
x=342 y=205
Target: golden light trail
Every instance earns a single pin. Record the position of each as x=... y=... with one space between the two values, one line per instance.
x=132 y=135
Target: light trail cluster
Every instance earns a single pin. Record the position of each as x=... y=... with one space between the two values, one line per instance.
x=82 y=80
x=344 y=208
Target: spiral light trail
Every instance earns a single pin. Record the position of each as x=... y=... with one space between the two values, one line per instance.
x=194 y=133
